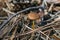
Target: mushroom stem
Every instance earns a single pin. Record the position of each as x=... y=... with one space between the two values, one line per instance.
x=33 y=25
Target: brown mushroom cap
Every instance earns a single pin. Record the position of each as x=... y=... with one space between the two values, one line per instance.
x=33 y=16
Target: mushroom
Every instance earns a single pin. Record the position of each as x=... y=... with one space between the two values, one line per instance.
x=33 y=16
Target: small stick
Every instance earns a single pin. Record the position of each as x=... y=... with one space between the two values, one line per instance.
x=28 y=27
x=8 y=11
x=51 y=7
